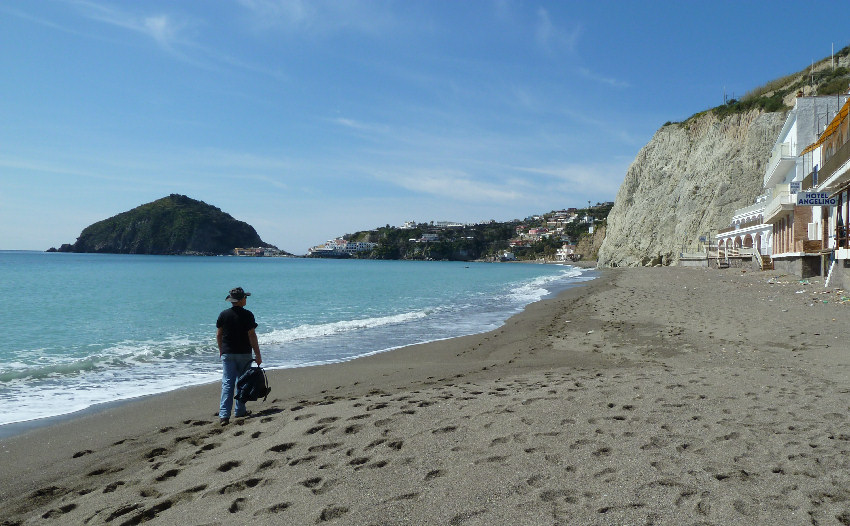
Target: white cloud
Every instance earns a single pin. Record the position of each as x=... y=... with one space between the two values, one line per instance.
x=168 y=31
x=55 y=168
x=319 y=17
x=361 y=126
x=286 y=12
x=600 y=179
x=616 y=83
x=162 y=29
x=452 y=184
x=552 y=38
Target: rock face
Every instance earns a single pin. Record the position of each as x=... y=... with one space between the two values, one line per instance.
x=172 y=225
x=687 y=182
x=588 y=246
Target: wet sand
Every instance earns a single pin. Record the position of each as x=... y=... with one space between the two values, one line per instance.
x=649 y=396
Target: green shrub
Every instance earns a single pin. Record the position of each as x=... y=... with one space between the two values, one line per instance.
x=834 y=86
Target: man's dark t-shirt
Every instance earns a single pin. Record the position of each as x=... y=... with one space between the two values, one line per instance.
x=235 y=323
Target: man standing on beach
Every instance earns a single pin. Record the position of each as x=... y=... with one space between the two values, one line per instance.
x=236 y=339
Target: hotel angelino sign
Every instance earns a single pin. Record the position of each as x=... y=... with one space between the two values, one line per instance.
x=815 y=199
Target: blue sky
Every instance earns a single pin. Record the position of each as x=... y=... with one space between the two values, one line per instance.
x=312 y=119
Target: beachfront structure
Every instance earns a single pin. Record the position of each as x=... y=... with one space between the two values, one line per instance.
x=773 y=229
x=829 y=159
x=797 y=246
x=340 y=248
x=257 y=252
x=749 y=235
x=428 y=237
x=566 y=252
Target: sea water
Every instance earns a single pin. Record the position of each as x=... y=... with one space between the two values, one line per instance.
x=82 y=329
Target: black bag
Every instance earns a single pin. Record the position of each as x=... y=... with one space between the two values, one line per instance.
x=252 y=385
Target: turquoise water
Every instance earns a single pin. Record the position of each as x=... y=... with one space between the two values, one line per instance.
x=82 y=329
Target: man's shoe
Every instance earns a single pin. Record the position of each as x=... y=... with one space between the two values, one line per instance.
x=246 y=413
x=224 y=421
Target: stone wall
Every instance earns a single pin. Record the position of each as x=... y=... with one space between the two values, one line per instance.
x=799 y=266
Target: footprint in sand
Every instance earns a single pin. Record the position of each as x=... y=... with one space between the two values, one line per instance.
x=360 y=417
x=171 y=473
x=280 y=448
x=318 y=485
x=316 y=429
x=332 y=512
x=301 y=460
x=240 y=485
x=447 y=429
x=353 y=429
x=112 y=486
x=123 y=510
x=268 y=464
x=277 y=508
x=148 y=514
x=376 y=443
x=434 y=474
x=236 y=505
x=324 y=447
x=156 y=452
x=59 y=511
x=103 y=471
x=227 y=466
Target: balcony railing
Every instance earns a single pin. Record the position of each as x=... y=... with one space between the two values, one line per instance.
x=781 y=160
x=753 y=209
x=783 y=199
x=748 y=224
x=833 y=163
x=779 y=151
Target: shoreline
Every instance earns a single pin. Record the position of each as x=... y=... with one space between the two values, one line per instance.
x=14 y=429
x=641 y=396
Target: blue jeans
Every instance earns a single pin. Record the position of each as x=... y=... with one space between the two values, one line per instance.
x=233 y=366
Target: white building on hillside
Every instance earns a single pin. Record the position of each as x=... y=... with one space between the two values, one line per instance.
x=830 y=159
x=767 y=227
x=341 y=247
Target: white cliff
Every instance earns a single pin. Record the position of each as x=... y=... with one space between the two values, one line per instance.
x=686 y=183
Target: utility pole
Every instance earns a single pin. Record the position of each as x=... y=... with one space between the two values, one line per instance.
x=812 y=71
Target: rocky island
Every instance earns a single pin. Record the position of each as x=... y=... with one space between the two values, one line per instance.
x=173 y=225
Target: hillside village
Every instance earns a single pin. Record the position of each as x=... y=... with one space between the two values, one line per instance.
x=551 y=236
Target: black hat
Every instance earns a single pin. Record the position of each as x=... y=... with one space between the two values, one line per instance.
x=236 y=295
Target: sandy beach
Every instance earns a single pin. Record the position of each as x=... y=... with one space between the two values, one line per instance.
x=648 y=396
